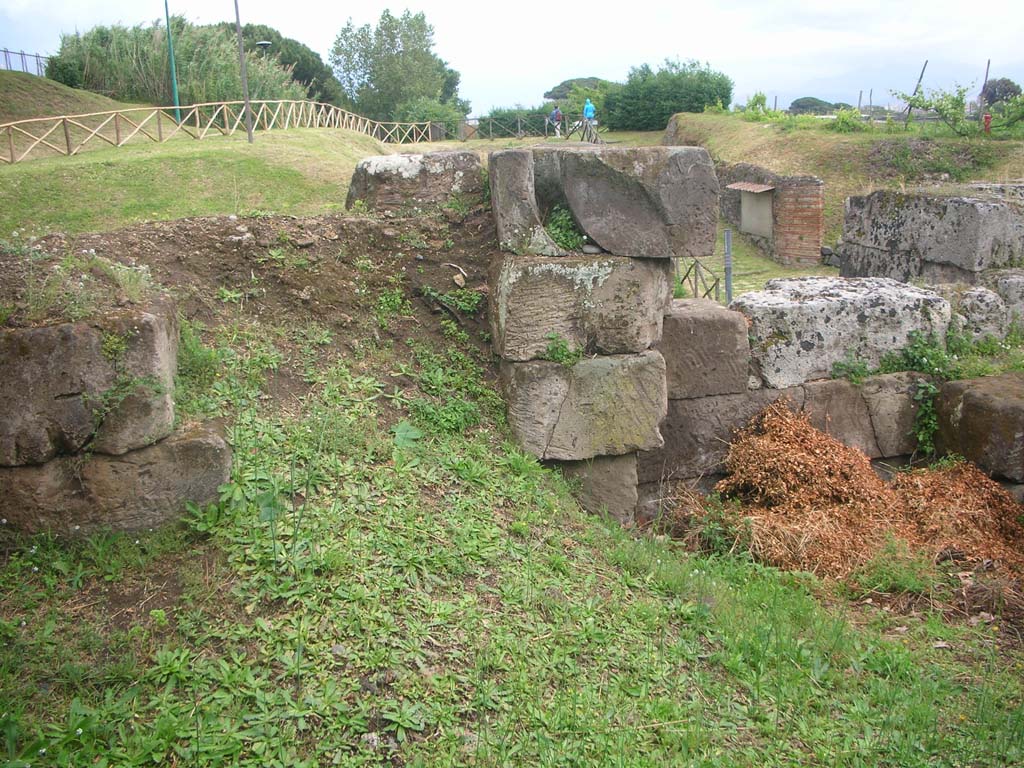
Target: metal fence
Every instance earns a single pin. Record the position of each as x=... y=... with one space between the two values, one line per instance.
x=19 y=61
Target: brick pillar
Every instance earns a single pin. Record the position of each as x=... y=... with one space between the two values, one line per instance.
x=799 y=221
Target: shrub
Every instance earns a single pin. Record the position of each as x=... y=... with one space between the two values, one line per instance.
x=649 y=99
x=848 y=121
x=563 y=230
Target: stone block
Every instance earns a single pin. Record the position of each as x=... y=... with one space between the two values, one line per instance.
x=983 y=420
x=697 y=433
x=838 y=408
x=648 y=202
x=892 y=409
x=145 y=488
x=937 y=238
x=1009 y=284
x=602 y=406
x=391 y=182
x=607 y=485
x=706 y=349
x=801 y=327
x=106 y=383
x=514 y=202
x=606 y=305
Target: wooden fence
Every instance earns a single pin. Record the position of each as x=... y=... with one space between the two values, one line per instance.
x=70 y=134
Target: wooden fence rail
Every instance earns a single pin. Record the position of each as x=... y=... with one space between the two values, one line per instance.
x=69 y=134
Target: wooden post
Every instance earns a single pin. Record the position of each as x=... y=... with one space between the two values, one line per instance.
x=981 y=96
x=906 y=123
x=860 y=99
x=67 y=135
x=159 y=127
x=10 y=142
x=117 y=130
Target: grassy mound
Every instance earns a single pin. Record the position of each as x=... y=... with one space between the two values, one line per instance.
x=24 y=96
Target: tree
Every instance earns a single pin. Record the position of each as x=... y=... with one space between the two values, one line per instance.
x=649 y=99
x=999 y=90
x=950 y=106
x=562 y=90
x=809 y=105
x=382 y=68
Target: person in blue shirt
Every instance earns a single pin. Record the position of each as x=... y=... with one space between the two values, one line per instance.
x=589 y=112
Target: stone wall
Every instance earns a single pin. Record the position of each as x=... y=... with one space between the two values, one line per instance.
x=86 y=438
x=934 y=238
x=798 y=211
x=575 y=332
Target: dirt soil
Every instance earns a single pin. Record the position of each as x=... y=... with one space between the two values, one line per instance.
x=286 y=272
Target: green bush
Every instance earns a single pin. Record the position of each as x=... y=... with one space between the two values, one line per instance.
x=563 y=230
x=848 y=121
x=649 y=99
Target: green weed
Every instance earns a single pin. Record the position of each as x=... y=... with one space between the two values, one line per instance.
x=559 y=351
x=563 y=230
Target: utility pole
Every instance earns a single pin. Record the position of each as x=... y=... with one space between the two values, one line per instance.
x=245 y=76
x=174 y=72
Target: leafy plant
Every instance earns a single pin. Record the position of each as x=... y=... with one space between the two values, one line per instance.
x=848 y=121
x=558 y=350
x=926 y=420
x=950 y=106
x=563 y=230
x=851 y=369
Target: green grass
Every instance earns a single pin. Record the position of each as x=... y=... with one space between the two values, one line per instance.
x=300 y=172
x=751 y=269
x=24 y=96
x=425 y=594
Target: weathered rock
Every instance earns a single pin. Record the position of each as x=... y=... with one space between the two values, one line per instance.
x=706 y=349
x=697 y=433
x=77 y=495
x=514 y=203
x=984 y=313
x=608 y=305
x=602 y=406
x=892 y=409
x=106 y=383
x=397 y=181
x=801 y=327
x=983 y=421
x=838 y=408
x=941 y=239
x=607 y=485
x=652 y=202
x=1009 y=284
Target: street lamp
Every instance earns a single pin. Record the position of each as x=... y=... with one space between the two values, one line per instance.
x=263 y=45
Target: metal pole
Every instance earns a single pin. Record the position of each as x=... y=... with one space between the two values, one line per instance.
x=245 y=76
x=728 y=266
x=174 y=71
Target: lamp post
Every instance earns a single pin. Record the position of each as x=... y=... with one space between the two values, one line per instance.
x=174 y=73
x=263 y=45
x=245 y=77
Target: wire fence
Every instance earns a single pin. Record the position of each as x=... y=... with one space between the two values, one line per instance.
x=19 y=61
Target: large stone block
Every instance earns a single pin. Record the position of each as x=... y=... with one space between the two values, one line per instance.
x=801 y=327
x=983 y=421
x=698 y=431
x=651 y=202
x=607 y=485
x=399 y=181
x=77 y=495
x=939 y=239
x=607 y=305
x=891 y=406
x=838 y=408
x=706 y=349
x=106 y=383
x=601 y=406
x=1009 y=284
x=514 y=203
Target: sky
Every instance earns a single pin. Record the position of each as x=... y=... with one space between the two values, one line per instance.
x=510 y=54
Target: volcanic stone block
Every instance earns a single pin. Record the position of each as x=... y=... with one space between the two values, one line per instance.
x=941 y=239
x=397 y=181
x=801 y=327
x=838 y=408
x=514 y=203
x=607 y=485
x=608 y=305
x=983 y=313
x=706 y=349
x=77 y=495
x=106 y=383
x=698 y=431
x=602 y=406
x=1009 y=284
x=891 y=406
x=983 y=420
x=652 y=202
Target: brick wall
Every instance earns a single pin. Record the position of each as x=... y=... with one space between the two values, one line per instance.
x=799 y=223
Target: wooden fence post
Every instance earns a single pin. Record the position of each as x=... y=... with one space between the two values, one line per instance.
x=159 y=127
x=117 y=129
x=10 y=143
x=67 y=135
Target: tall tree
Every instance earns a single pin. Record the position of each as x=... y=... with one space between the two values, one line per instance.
x=385 y=67
x=999 y=89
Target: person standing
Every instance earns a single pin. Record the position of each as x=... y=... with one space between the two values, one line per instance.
x=555 y=118
x=589 y=112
